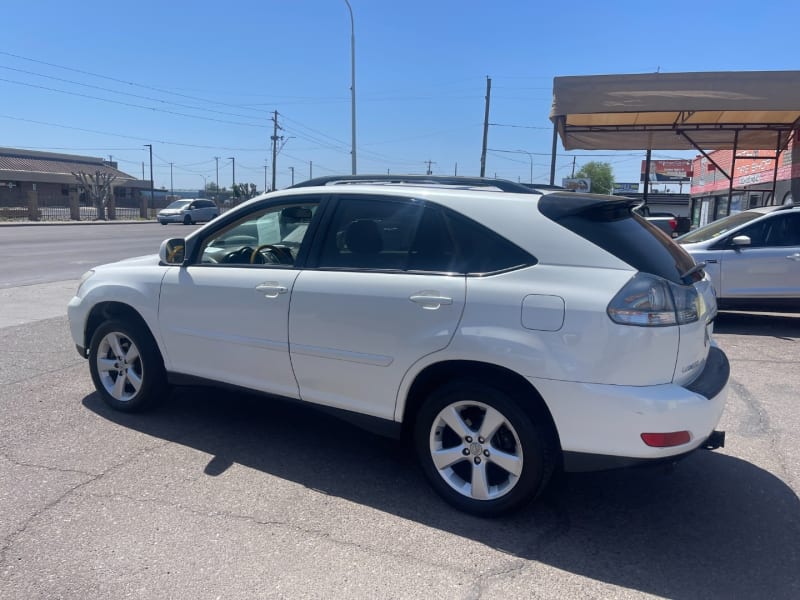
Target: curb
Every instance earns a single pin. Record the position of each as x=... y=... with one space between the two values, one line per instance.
x=61 y=223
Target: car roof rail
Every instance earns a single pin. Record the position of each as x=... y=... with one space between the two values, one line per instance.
x=503 y=185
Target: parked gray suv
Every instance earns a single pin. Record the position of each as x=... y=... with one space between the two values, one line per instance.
x=188 y=211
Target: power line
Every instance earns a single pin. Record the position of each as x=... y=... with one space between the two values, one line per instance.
x=131 y=83
x=162 y=110
x=105 y=89
x=130 y=137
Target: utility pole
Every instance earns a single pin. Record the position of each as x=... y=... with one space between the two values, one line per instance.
x=486 y=125
x=573 y=167
x=152 y=194
x=274 y=139
x=429 y=163
x=310 y=169
x=292 y=170
x=265 y=175
x=142 y=170
x=233 y=162
x=171 y=190
x=216 y=160
x=455 y=173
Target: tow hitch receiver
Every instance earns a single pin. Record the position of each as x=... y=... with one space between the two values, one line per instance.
x=715 y=440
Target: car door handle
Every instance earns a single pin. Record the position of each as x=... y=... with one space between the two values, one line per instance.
x=711 y=261
x=430 y=301
x=271 y=289
x=795 y=256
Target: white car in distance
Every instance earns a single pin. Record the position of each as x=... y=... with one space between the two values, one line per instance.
x=509 y=333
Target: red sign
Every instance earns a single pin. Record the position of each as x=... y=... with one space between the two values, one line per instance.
x=669 y=170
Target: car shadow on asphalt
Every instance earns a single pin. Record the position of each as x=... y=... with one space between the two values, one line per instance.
x=784 y=326
x=714 y=526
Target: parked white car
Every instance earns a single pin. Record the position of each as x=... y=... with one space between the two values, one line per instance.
x=752 y=257
x=188 y=212
x=509 y=333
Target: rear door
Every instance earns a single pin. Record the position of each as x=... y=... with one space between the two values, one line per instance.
x=381 y=293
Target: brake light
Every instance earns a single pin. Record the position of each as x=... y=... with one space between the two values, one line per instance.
x=673 y=223
x=650 y=301
x=666 y=440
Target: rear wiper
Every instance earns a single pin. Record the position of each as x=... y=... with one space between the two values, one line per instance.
x=698 y=267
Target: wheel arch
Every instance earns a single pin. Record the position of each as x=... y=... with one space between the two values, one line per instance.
x=106 y=311
x=514 y=384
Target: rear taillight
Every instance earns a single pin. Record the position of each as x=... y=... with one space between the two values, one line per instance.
x=673 y=224
x=650 y=301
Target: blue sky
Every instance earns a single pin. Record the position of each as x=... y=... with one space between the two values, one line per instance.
x=201 y=79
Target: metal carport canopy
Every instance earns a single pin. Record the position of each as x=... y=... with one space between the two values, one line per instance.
x=676 y=111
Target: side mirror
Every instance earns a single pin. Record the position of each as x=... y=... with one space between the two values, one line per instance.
x=741 y=240
x=172 y=252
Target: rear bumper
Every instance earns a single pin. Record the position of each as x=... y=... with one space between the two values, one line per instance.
x=600 y=426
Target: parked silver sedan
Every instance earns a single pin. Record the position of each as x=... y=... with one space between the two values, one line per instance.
x=752 y=257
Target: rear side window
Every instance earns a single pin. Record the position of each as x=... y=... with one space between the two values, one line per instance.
x=611 y=225
x=409 y=235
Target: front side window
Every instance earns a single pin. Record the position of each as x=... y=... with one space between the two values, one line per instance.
x=271 y=236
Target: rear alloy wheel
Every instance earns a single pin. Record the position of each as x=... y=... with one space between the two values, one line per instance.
x=187 y=220
x=480 y=450
x=126 y=366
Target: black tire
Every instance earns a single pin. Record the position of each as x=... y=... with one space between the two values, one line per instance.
x=187 y=220
x=120 y=349
x=522 y=442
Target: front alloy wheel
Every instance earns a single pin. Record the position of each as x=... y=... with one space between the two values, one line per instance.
x=126 y=366
x=482 y=451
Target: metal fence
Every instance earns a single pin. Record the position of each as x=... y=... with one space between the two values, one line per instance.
x=62 y=213
x=87 y=213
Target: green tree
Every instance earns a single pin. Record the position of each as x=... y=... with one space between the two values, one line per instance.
x=601 y=175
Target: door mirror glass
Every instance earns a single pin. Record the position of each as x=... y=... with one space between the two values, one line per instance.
x=172 y=252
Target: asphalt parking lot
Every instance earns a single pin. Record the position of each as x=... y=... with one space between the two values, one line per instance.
x=220 y=495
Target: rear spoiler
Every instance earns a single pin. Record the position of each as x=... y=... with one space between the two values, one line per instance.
x=558 y=206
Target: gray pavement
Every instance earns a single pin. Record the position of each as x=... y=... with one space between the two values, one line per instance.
x=223 y=495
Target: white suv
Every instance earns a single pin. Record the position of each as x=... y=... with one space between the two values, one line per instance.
x=509 y=333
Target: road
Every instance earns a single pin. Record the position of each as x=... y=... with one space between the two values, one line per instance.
x=47 y=253
x=222 y=495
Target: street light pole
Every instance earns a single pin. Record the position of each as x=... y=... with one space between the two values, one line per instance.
x=530 y=157
x=352 y=81
x=152 y=201
x=233 y=162
x=171 y=189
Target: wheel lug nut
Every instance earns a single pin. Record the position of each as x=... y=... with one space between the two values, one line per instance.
x=477 y=460
x=486 y=453
x=465 y=451
x=481 y=440
x=468 y=439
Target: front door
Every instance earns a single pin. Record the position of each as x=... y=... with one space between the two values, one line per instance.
x=225 y=316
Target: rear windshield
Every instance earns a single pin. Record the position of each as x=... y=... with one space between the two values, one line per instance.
x=611 y=225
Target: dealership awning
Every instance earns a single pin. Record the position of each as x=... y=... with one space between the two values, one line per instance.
x=751 y=110
x=676 y=111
